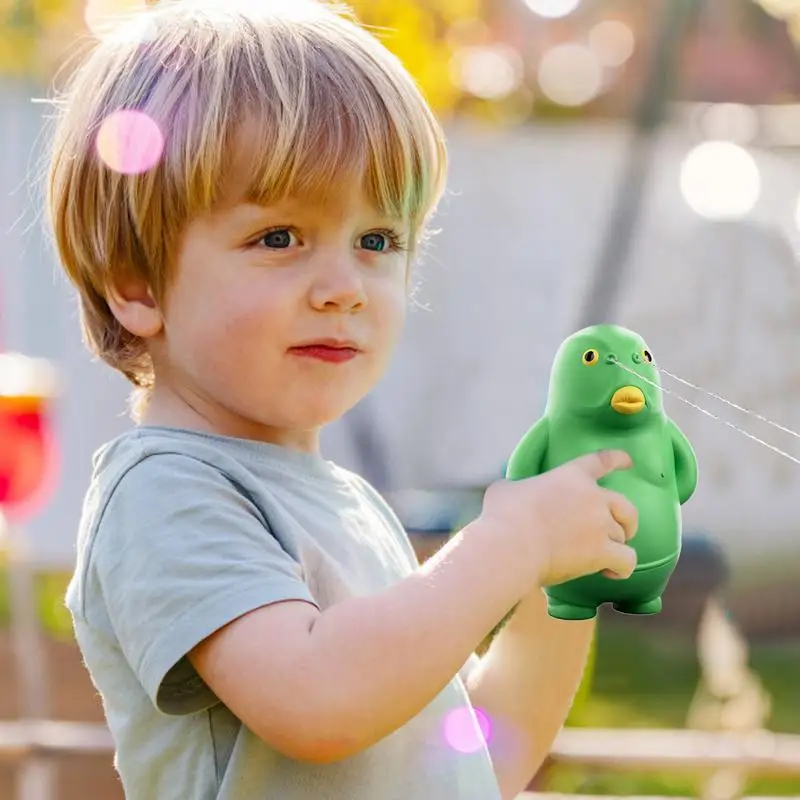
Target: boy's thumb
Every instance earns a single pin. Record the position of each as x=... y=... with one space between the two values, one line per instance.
x=621 y=561
x=599 y=464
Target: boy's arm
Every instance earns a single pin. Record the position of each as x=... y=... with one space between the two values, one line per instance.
x=527 y=680
x=331 y=666
x=204 y=588
x=322 y=686
x=525 y=684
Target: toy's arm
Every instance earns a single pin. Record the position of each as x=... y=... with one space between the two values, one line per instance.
x=685 y=463
x=527 y=460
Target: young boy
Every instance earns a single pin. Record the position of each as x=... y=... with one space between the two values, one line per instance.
x=252 y=615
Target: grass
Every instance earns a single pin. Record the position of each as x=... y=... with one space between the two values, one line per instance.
x=644 y=681
x=637 y=680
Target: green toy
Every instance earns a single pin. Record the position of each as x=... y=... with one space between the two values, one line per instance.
x=605 y=393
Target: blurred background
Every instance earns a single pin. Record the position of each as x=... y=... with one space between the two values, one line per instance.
x=629 y=161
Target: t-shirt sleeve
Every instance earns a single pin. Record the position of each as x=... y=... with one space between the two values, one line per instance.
x=181 y=551
x=469 y=667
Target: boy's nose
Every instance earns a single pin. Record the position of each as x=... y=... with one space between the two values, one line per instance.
x=338 y=286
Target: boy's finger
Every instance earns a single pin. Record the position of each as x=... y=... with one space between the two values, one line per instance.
x=616 y=532
x=599 y=464
x=621 y=560
x=624 y=512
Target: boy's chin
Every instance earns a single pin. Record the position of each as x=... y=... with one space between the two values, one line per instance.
x=322 y=418
x=321 y=411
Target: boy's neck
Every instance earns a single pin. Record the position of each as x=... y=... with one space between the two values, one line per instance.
x=168 y=409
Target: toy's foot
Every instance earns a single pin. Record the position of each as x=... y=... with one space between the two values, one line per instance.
x=566 y=611
x=650 y=607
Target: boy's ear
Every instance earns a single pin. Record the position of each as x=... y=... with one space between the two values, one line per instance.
x=131 y=301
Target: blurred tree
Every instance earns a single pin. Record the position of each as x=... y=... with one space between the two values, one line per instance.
x=417 y=32
x=36 y=34
x=18 y=31
x=433 y=38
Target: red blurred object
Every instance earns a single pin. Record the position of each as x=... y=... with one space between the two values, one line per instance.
x=23 y=449
x=27 y=444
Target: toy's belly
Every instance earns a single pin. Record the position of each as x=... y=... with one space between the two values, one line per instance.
x=649 y=484
x=658 y=536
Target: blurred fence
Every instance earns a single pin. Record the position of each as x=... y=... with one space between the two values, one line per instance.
x=756 y=754
x=730 y=705
x=761 y=753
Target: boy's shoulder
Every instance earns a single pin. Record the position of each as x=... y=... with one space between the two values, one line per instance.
x=151 y=470
x=184 y=482
x=155 y=457
x=151 y=448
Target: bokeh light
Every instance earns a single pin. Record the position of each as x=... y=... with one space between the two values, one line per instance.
x=720 y=180
x=552 y=9
x=103 y=17
x=570 y=74
x=461 y=732
x=25 y=377
x=491 y=73
x=612 y=42
x=130 y=142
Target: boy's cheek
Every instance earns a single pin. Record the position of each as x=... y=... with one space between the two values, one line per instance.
x=392 y=303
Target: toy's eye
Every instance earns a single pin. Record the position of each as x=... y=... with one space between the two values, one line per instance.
x=647 y=356
x=591 y=357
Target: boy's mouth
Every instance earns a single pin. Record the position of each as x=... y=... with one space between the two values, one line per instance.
x=332 y=351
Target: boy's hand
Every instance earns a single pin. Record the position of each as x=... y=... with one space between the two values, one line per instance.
x=564 y=522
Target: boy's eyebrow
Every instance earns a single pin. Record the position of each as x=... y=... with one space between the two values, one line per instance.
x=246 y=210
x=245 y=213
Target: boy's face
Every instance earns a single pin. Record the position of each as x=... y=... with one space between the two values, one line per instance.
x=279 y=320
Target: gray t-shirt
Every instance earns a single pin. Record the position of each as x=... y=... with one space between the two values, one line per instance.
x=183 y=532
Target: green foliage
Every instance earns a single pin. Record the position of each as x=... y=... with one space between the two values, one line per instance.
x=53 y=612
x=584 y=693
x=34 y=33
x=647 y=681
x=53 y=615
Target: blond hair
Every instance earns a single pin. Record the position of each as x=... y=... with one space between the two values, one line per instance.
x=320 y=98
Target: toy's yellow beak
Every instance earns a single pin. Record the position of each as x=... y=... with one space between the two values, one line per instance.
x=628 y=400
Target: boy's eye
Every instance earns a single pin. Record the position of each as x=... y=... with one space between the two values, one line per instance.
x=278 y=239
x=377 y=242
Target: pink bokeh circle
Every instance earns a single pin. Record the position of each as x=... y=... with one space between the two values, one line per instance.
x=461 y=732
x=130 y=142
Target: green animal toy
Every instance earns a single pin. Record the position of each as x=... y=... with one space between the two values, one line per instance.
x=605 y=393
